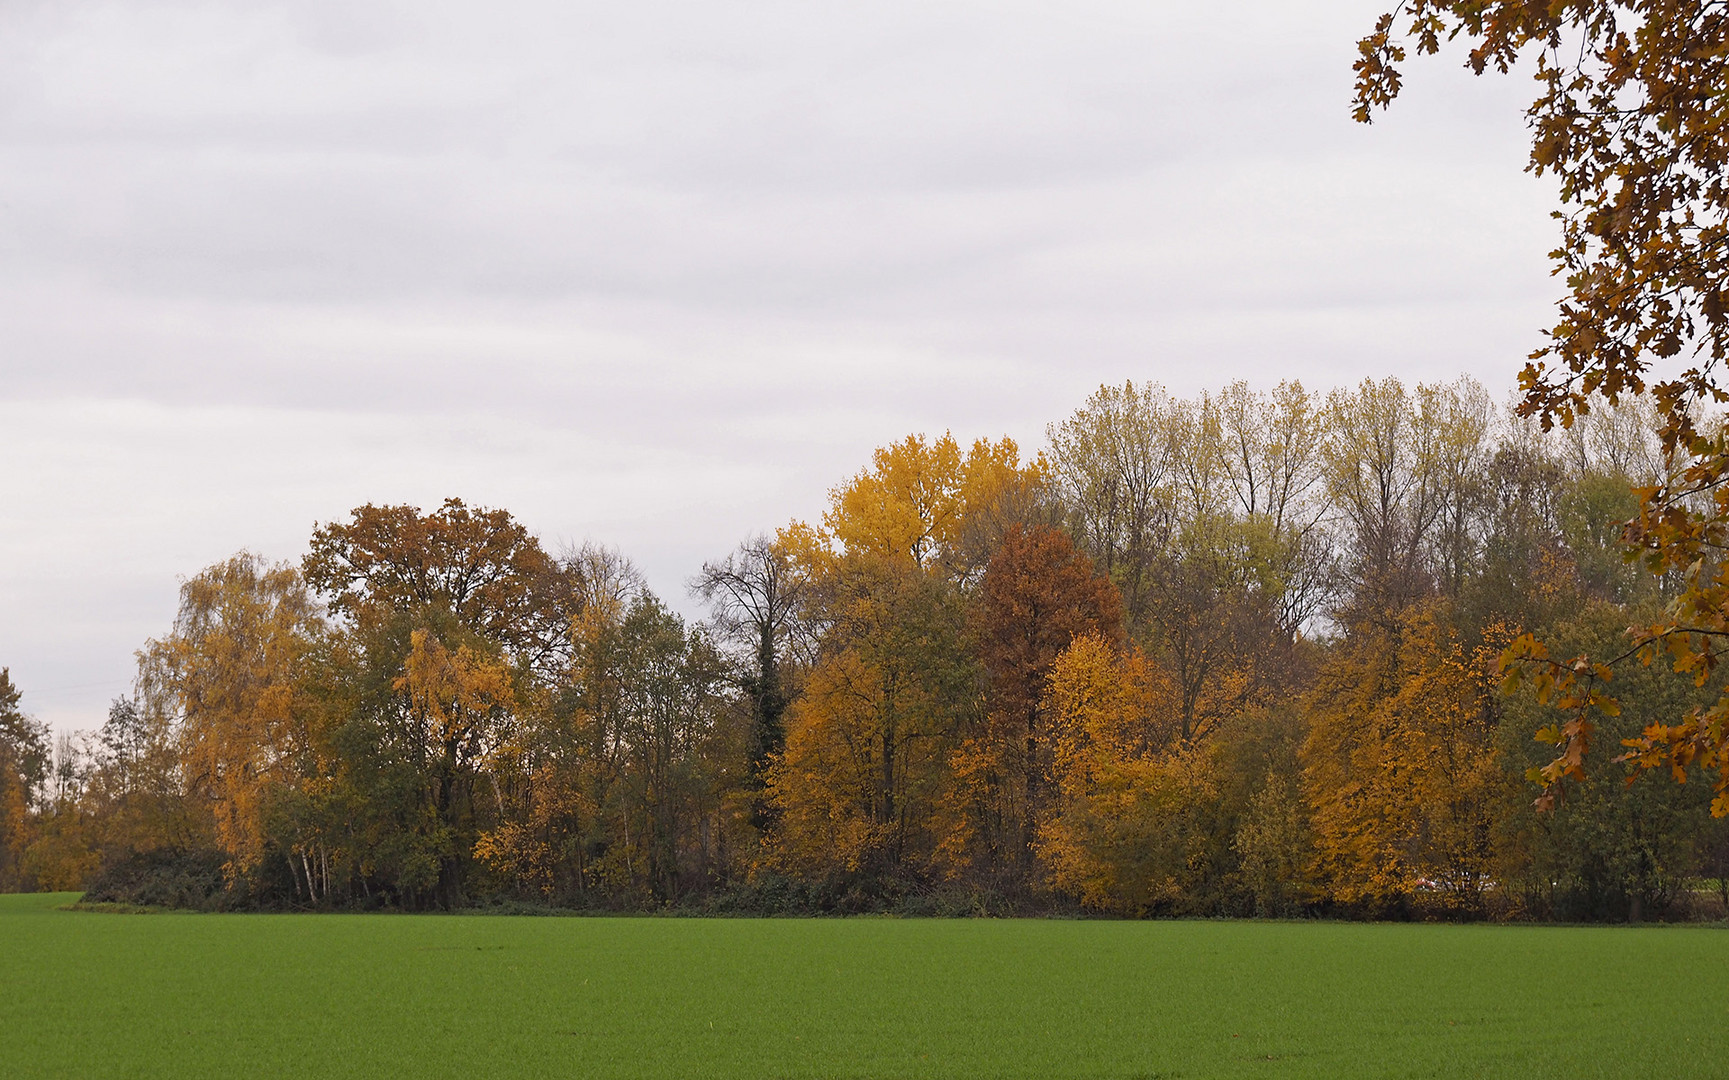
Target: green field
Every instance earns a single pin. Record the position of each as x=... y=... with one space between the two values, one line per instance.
x=86 y=994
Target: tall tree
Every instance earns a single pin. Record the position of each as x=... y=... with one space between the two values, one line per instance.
x=24 y=761
x=893 y=682
x=756 y=594
x=229 y=679
x=670 y=683
x=1114 y=463
x=561 y=838
x=1038 y=595
x=1270 y=449
x=859 y=786
x=433 y=609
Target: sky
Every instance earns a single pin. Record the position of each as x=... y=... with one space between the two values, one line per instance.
x=660 y=274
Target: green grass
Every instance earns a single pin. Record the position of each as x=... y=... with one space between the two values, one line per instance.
x=88 y=994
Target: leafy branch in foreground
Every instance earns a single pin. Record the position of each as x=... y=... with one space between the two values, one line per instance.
x=1631 y=120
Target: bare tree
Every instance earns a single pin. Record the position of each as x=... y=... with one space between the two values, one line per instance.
x=755 y=594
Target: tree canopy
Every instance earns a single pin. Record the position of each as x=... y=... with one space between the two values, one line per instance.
x=1226 y=654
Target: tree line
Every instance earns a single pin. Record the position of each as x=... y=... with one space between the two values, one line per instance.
x=1232 y=654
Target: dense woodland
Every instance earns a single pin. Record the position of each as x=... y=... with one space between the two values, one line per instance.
x=1237 y=655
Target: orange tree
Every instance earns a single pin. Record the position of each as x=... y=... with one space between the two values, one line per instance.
x=445 y=624
x=1037 y=596
x=1630 y=119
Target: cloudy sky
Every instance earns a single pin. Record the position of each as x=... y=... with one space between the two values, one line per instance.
x=659 y=273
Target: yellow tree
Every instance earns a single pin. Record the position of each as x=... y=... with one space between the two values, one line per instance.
x=1399 y=765
x=858 y=785
x=891 y=683
x=230 y=679
x=929 y=504
x=1128 y=831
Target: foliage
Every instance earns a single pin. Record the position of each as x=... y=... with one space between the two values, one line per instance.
x=1036 y=598
x=868 y=743
x=1400 y=766
x=24 y=757
x=164 y=878
x=1226 y=655
x=229 y=679
x=1127 y=833
x=1629 y=121
x=1620 y=845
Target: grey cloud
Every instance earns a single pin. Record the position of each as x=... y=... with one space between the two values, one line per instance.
x=660 y=273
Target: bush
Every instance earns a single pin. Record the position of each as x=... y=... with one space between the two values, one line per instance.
x=167 y=877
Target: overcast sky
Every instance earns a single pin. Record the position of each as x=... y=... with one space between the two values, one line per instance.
x=659 y=274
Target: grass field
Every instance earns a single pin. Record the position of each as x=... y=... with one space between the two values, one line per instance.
x=93 y=995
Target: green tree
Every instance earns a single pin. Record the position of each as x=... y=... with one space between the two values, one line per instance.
x=1610 y=849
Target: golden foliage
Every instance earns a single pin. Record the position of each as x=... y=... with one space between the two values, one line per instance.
x=1126 y=833
x=1399 y=765
x=456 y=696
x=927 y=503
x=232 y=674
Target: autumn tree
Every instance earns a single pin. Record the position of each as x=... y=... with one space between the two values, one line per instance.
x=927 y=503
x=669 y=689
x=135 y=792
x=1129 y=827
x=479 y=568
x=1608 y=457
x=24 y=760
x=1206 y=514
x=1629 y=122
x=892 y=684
x=448 y=621
x=567 y=760
x=1270 y=449
x=618 y=767
x=1038 y=595
x=1399 y=765
x=228 y=679
x=1214 y=622
x=860 y=782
